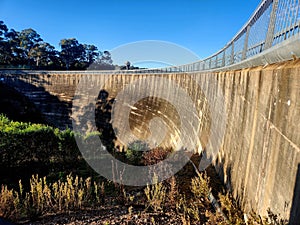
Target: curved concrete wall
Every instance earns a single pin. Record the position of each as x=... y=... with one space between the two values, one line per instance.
x=259 y=155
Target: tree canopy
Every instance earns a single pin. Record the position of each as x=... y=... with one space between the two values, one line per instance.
x=26 y=49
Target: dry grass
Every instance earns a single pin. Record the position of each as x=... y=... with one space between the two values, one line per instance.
x=155 y=195
x=73 y=194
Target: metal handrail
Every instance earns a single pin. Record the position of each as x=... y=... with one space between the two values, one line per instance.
x=271 y=12
x=277 y=17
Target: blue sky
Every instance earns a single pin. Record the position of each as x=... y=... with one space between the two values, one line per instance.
x=202 y=26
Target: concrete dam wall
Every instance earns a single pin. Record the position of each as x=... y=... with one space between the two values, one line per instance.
x=258 y=156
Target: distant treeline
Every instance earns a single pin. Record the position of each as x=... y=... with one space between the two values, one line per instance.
x=26 y=49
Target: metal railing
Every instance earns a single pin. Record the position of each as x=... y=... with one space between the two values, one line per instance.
x=272 y=23
x=272 y=34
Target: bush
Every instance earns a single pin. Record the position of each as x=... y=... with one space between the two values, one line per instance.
x=138 y=153
x=135 y=152
x=156 y=155
x=35 y=148
x=201 y=186
x=156 y=195
x=21 y=143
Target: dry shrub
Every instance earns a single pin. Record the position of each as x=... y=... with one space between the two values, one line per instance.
x=214 y=218
x=155 y=155
x=172 y=192
x=61 y=196
x=156 y=195
x=182 y=209
x=9 y=203
x=201 y=186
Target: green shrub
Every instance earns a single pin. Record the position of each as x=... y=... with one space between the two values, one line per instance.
x=36 y=148
x=135 y=150
x=21 y=143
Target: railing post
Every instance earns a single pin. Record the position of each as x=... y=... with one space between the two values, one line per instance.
x=223 y=58
x=271 y=27
x=232 y=53
x=244 y=54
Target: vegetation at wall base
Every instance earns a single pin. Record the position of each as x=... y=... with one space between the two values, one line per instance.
x=63 y=185
x=28 y=149
x=161 y=203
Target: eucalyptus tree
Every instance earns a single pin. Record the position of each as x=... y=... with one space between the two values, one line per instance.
x=106 y=58
x=28 y=39
x=28 y=48
x=103 y=62
x=71 y=52
x=4 y=48
x=91 y=53
x=3 y=30
x=12 y=53
x=43 y=54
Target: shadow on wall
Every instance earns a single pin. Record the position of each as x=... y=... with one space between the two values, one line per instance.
x=103 y=110
x=17 y=106
x=295 y=210
x=54 y=111
x=224 y=171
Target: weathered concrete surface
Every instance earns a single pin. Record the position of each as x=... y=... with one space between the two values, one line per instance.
x=259 y=155
x=52 y=94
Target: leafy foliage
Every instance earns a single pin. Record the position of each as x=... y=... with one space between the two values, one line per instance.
x=37 y=148
x=26 y=49
x=135 y=151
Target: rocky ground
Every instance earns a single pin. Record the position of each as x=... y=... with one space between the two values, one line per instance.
x=109 y=215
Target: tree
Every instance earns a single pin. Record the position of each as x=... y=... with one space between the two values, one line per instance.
x=104 y=62
x=4 y=48
x=127 y=64
x=28 y=39
x=106 y=58
x=28 y=48
x=91 y=53
x=12 y=53
x=71 y=52
x=42 y=53
x=3 y=30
